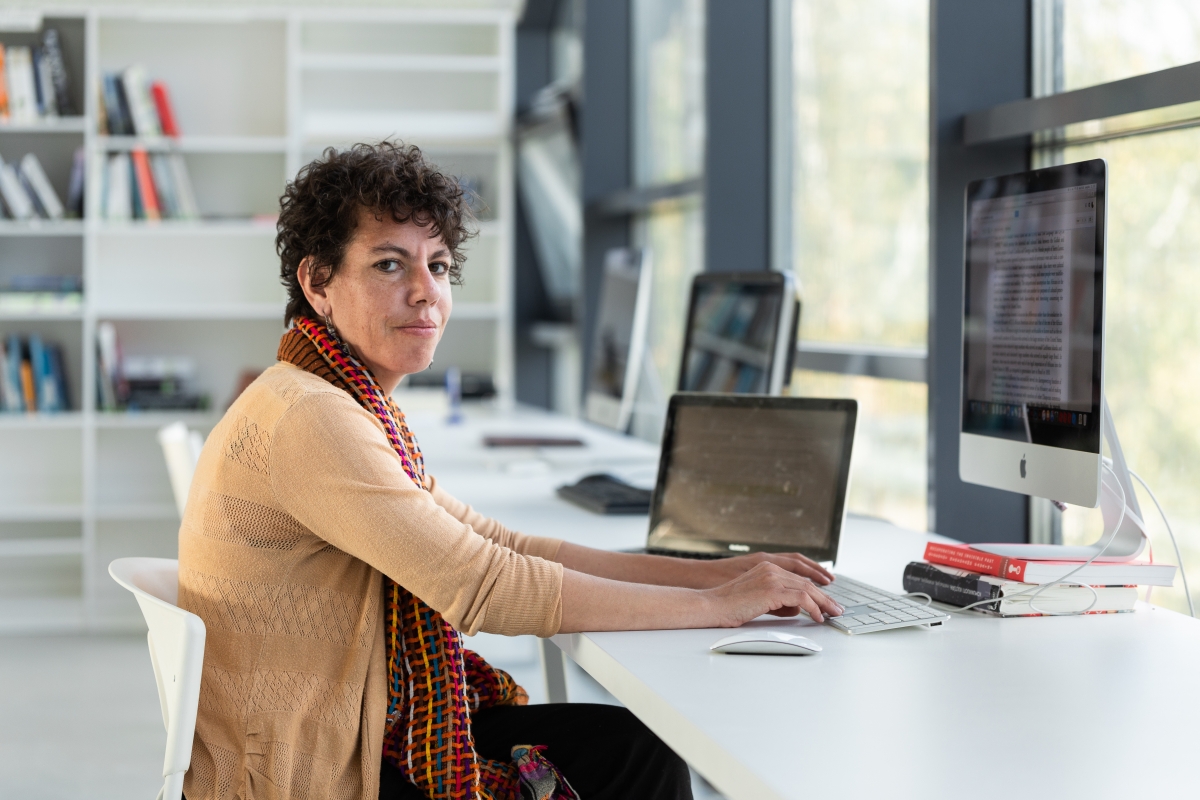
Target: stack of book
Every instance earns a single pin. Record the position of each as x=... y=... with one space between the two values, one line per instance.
x=27 y=193
x=150 y=186
x=33 y=81
x=959 y=575
x=41 y=294
x=132 y=105
x=127 y=383
x=32 y=377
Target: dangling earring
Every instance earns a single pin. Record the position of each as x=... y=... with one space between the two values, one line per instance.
x=332 y=330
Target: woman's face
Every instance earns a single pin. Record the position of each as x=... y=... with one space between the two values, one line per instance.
x=390 y=298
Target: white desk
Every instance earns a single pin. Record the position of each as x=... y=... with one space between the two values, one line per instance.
x=1104 y=706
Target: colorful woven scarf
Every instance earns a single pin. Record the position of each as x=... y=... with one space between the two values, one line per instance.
x=434 y=683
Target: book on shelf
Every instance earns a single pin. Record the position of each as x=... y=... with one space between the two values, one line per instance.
x=1108 y=573
x=142 y=383
x=41 y=294
x=22 y=86
x=151 y=186
x=960 y=587
x=27 y=192
x=40 y=191
x=33 y=81
x=34 y=377
x=133 y=105
x=76 y=184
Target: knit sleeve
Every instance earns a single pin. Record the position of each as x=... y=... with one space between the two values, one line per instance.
x=541 y=546
x=332 y=468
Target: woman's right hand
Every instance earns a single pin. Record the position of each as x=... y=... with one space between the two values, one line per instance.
x=769 y=589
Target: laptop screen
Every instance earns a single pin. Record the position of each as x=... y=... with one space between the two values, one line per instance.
x=744 y=474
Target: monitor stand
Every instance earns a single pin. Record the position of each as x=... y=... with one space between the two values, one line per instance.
x=1130 y=538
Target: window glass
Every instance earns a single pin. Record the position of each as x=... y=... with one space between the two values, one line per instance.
x=668 y=90
x=668 y=120
x=888 y=475
x=859 y=197
x=1106 y=40
x=1152 y=336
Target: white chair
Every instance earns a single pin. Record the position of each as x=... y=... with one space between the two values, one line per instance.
x=181 y=448
x=177 y=652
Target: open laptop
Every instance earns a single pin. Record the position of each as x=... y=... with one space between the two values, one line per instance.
x=750 y=473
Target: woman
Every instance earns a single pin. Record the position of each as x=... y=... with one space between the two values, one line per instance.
x=334 y=575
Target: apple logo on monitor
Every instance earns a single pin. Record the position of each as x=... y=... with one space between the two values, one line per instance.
x=1022 y=465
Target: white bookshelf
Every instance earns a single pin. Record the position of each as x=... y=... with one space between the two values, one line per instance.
x=258 y=92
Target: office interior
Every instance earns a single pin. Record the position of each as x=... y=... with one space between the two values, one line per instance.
x=832 y=141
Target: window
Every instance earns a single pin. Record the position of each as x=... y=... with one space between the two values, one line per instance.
x=1153 y=283
x=668 y=120
x=859 y=201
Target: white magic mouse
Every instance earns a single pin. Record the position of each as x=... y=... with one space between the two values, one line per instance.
x=766 y=643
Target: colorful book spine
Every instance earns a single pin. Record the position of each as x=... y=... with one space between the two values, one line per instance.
x=3 y=87
x=166 y=114
x=146 y=193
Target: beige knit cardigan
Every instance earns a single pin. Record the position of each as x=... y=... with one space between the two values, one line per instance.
x=297 y=506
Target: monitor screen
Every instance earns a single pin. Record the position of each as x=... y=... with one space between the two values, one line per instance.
x=1033 y=307
x=733 y=333
x=746 y=473
x=620 y=337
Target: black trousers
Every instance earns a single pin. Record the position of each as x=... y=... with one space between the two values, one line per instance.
x=605 y=752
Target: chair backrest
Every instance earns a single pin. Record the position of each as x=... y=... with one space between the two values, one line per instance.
x=181 y=448
x=176 y=640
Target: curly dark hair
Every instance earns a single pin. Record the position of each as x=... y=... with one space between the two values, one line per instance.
x=320 y=209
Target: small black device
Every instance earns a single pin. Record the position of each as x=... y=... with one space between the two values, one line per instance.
x=741 y=333
x=606 y=494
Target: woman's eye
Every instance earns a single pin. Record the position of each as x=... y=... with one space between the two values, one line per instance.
x=390 y=265
x=439 y=268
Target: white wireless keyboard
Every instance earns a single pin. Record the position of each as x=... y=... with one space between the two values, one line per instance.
x=869 y=609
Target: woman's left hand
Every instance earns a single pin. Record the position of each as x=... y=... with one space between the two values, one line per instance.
x=722 y=570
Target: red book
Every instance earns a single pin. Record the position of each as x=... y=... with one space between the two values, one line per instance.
x=1109 y=573
x=145 y=183
x=162 y=102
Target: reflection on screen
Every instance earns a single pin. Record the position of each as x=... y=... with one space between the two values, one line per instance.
x=1030 y=327
x=614 y=329
x=731 y=341
x=754 y=476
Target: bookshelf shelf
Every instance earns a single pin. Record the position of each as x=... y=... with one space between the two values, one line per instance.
x=153 y=420
x=242 y=311
x=67 y=420
x=257 y=92
x=171 y=227
x=33 y=316
x=45 y=512
x=41 y=547
x=51 y=125
x=354 y=62
x=41 y=227
x=444 y=126
x=195 y=144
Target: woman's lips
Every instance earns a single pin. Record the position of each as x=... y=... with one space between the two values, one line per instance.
x=423 y=329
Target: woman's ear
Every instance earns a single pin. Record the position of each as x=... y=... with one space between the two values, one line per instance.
x=314 y=293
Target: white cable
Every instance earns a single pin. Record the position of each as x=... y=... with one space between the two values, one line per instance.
x=1065 y=580
x=1178 y=558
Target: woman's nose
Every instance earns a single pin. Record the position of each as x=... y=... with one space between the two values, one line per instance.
x=424 y=287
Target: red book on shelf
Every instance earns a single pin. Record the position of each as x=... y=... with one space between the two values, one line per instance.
x=1108 y=573
x=145 y=183
x=166 y=115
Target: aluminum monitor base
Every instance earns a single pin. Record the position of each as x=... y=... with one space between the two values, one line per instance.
x=1129 y=540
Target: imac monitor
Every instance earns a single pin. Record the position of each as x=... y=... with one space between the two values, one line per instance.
x=741 y=333
x=1033 y=332
x=619 y=343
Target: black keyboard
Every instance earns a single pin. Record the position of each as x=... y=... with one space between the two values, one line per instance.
x=605 y=494
x=658 y=551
